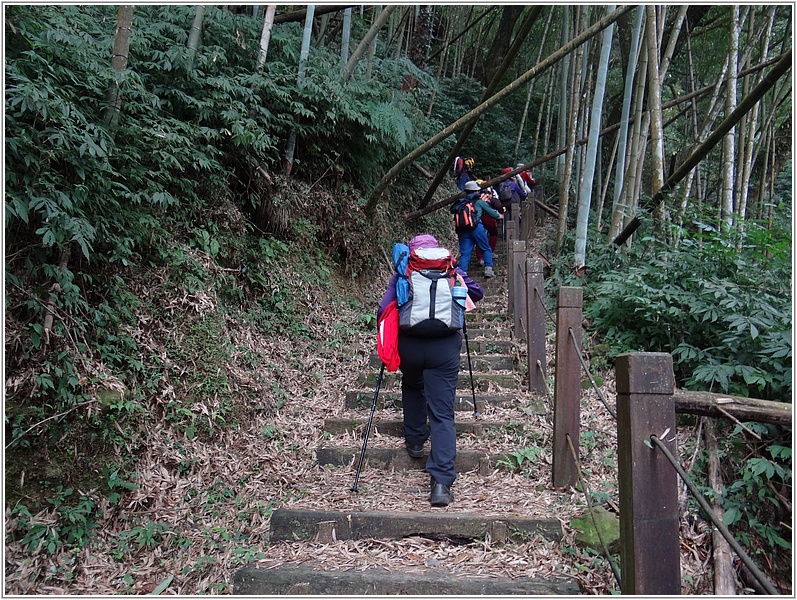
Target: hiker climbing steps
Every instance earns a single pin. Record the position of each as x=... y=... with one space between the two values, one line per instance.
x=391 y=511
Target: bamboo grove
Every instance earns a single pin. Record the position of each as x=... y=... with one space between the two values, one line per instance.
x=248 y=153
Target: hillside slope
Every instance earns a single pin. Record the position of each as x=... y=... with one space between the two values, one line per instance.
x=195 y=505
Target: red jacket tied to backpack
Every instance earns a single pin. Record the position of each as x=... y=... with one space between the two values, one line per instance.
x=387 y=337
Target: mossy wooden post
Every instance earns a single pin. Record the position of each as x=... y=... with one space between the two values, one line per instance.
x=567 y=388
x=518 y=289
x=649 y=525
x=535 y=325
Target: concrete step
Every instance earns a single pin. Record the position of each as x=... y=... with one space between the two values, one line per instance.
x=481 y=381
x=398 y=459
x=357 y=399
x=326 y=526
x=313 y=579
x=479 y=362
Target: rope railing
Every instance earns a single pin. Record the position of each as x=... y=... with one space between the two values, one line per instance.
x=545 y=308
x=587 y=371
x=645 y=493
x=585 y=488
x=757 y=573
x=542 y=373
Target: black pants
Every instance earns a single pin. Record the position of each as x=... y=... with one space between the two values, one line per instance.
x=429 y=368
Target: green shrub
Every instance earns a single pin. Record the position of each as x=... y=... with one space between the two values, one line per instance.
x=723 y=313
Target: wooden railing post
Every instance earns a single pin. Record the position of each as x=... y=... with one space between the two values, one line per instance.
x=649 y=525
x=517 y=287
x=511 y=237
x=527 y=225
x=511 y=231
x=535 y=325
x=511 y=234
x=567 y=388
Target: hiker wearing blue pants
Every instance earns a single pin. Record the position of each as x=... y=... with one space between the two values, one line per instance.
x=429 y=372
x=470 y=239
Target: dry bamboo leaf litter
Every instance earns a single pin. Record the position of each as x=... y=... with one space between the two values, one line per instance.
x=209 y=502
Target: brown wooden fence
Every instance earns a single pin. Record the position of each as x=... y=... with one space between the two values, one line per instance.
x=647 y=403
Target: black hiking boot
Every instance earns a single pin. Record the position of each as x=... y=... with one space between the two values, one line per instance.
x=414 y=450
x=441 y=494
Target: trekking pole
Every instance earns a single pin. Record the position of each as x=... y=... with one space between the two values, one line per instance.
x=470 y=368
x=368 y=428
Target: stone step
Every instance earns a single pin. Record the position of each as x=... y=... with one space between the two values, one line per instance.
x=398 y=459
x=486 y=316
x=481 y=381
x=362 y=399
x=486 y=331
x=486 y=347
x=312 y=579
x=395 y=427
x=479 y=362
x=327 y=526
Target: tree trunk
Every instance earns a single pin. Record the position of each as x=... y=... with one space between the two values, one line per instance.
x=585 y=195
x=465 y=30
x=654 y=103
x=626 y=203
x=729 y=143
x=531 y=85
x=749 y=151
x=693 y=114
x=669 y=51
x=366 y=41
x=441 y=66
x=489 y=103
x=265 y=36
x=570 y=145
x=195 y=35
x=619 y=176
x=548 y=117
x=121 y=49
x=298 y=16
x=605 y=186
x=584 y=91
x=724 y=575
x=734 y=408
x=422 y=37
x=769 y=80
x=564 y=83
x=346 y=36
x=369 y=64
x=290 y=151
x=401 y=34
x=503 y=38
x=468 y=129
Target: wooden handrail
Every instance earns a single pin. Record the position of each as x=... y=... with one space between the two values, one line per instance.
x=734 y=407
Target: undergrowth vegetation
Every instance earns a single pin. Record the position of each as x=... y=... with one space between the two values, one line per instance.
x=722 y=306
x=142 y=258
x=157 y=243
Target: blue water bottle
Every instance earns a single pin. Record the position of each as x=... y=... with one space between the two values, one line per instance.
x=459 y=293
